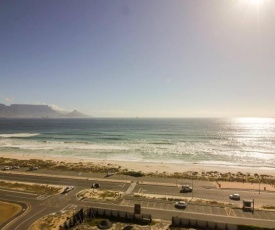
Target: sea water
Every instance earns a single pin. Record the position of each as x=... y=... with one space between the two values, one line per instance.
x=238 y=142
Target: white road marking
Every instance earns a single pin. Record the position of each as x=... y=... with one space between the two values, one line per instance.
x=22 y=197
x=32 y=194
x=18 y=227
x=131 y=188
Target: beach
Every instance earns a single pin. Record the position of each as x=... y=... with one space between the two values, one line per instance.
x=203 y=149
x=167 y=145
x=145 y=167
x=164 y=170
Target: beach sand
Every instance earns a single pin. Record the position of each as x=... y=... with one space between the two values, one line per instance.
x=146 y=167
x=158 y=168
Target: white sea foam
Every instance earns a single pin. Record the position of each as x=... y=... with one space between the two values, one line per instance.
x=96 y=147
x=55 y=145
x=19 y=135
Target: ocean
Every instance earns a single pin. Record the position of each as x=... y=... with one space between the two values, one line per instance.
x=236 y=142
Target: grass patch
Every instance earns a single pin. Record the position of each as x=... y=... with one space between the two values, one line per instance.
x=251 y=227
x=108 y=194
x=35 y=188
x=123 y=222
x=99 y=194
x=56 y=165
x=268 y=207
x=95 y=221
x=8 y=210
x=51 y=221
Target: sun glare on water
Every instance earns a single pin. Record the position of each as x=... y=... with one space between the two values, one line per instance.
x=255 y=125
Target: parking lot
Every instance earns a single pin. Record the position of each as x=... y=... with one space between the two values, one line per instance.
x=199 y=208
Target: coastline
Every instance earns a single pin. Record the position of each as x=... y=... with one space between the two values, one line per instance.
x=146 y=167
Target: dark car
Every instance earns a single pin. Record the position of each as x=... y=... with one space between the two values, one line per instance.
x=186 y=188
x=95 y=185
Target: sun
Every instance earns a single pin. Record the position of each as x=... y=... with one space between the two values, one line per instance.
x=255 y=2
x=252 y=4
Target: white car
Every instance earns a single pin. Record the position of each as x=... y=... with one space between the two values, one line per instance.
x=109 y=174
x=6 y=168
x=235 y=196
x=181 y=204
x=68 y=189
x=15 y=167
x=33 y=168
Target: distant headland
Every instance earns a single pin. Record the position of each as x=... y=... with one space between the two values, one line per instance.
x=36 y=111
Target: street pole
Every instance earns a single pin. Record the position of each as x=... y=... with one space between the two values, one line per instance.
x=192 y=184
x=253 y=206
x=259 y=186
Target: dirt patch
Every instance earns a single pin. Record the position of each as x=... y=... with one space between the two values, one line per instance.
x=117 y=225
x=52 y=221
x=8 y=210
x=100 y=194
x=31 y=187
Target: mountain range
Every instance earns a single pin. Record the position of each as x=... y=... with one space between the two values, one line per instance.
x=36 y=111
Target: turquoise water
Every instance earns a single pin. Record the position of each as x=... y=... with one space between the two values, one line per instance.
x=242 y=142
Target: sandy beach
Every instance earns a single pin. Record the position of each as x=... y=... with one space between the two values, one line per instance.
x=146 y=167
x=164 y=169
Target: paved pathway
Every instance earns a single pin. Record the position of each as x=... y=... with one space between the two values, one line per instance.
x=247 y=186
x=131 y=188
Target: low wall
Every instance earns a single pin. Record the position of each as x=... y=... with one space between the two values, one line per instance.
x=117 y=215
x=186 y=222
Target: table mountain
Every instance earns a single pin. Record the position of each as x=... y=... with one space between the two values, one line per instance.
x=36 y=111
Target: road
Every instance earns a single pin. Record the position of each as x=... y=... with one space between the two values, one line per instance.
x=207 y=191
x=36 y=206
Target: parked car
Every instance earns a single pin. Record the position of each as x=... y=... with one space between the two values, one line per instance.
x=15 y=167
x=235 y=196
x=33 y=168
x=186 y=188
x=109 y=173
x=68 y=189
x=6 y=168
x=181 y=204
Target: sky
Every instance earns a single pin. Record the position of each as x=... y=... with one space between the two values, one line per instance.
x=140 y=58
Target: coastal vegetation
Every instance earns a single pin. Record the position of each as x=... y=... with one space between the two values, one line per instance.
x=89 y=167
x=30 y=187
x=52 y=221
x=107 y=195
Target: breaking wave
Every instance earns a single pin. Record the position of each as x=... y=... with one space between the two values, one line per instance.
x=18 y=135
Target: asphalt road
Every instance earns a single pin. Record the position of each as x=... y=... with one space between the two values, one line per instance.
x=37 y=206
x=208 y=192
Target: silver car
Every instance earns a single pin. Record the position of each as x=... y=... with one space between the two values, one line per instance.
x=235 y=196
x=181 y=204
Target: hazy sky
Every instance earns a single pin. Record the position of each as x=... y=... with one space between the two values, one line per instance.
x=145 y=58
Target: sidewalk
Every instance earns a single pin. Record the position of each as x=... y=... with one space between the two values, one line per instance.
x=245 y=186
